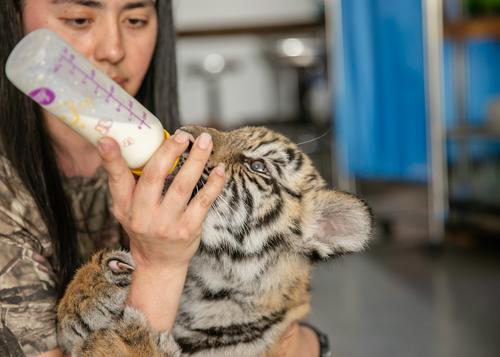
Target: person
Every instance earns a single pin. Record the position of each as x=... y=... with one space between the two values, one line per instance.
x=61 y=198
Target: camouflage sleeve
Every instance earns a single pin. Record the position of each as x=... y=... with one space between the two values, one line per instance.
x=27 y=299
x=27 y=282
x=9 y=347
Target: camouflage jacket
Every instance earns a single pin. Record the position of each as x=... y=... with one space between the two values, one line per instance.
x=28 y=284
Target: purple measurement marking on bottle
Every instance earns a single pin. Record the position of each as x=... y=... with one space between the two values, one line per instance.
x=110 y=94
x=71 y=61
x=69 y=58
x=130 y=105
x=43 y=95
x=59 y=62
x=143 y=120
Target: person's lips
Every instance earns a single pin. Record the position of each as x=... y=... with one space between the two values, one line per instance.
x=119 y=79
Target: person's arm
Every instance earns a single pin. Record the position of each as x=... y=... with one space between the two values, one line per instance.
x=164 y=232
x=298 y=341
x=157 y=294
x=28 y=285
x=28 y=298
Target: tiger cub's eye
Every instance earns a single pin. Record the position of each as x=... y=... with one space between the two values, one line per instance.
x=259 y=167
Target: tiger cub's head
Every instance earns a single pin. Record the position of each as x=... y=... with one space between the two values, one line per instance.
x=274 y=199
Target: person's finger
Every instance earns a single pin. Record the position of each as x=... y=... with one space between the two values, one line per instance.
x=120 y=179
x=150 y=185
x=181 y=189
x=198 y=208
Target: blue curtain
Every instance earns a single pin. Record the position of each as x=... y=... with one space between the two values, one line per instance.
x=380 y=115
x=483 y=86
x=379 y=105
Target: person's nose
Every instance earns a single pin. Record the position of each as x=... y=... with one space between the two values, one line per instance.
x=109 y=45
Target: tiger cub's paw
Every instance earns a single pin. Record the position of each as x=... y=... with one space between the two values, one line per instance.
x=167 y=345
x=141 y=339
x=95 y=298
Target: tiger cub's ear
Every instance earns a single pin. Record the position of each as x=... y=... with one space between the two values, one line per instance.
x=342 y=224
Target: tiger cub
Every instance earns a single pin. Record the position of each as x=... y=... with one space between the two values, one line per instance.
x=93 y=320
x=274 y=219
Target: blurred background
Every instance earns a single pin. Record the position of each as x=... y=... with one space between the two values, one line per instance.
x=397 y=101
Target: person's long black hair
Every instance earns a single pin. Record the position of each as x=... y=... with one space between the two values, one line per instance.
x=25 y=142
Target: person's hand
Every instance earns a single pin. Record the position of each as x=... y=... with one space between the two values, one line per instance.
x=163 y=232
x=298 y=341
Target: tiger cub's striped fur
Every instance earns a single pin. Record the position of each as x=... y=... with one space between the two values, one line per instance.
x=93 y=320
x=274 y=219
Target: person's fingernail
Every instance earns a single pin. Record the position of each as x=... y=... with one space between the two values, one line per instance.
x=181 y=136
x=204 y=140
x=220 y=169
x=103 y=145
x=190 y=136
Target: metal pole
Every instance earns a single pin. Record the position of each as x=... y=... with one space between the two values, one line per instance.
x=334 y=46
x=438 y=175
x=460 y=96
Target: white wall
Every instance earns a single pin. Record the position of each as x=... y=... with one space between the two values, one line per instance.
x=250 y=92
x=246 y=92
x=215 y=12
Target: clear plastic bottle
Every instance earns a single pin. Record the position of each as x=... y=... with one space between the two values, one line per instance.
x=56 y=76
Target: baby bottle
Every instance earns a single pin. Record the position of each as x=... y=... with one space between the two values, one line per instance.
x=52 y=73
